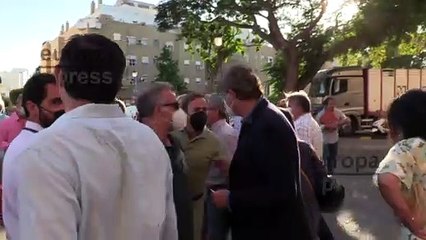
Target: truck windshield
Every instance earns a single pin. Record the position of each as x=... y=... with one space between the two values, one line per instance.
x=320 y=87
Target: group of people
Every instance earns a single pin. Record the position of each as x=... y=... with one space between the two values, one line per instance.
x=79 y=168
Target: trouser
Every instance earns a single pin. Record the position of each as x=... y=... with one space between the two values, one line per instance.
x=217 y=220
x=324 y=231
x=198 y=208
x=330 y=156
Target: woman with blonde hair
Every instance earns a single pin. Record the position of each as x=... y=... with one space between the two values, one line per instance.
x=401 y=176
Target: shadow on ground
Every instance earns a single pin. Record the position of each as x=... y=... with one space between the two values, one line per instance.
x=364 y=215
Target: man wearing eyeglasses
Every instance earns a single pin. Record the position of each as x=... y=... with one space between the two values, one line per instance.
x=156 y=107
x=42 y=105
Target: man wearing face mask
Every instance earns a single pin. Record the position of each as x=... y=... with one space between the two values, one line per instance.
x=264 y=193
x=157 y=107
x=201 y=148
x=42 y=105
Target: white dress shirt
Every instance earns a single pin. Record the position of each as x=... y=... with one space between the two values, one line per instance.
x=308 y=130
x=16 y=147
x=228 y=137
x=95 y=174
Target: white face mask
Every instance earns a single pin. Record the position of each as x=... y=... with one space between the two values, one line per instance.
x=179 y=119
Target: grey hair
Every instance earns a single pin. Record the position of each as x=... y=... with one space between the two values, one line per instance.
x=149 y=98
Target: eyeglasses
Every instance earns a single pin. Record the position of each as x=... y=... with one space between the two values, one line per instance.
x=174 y=105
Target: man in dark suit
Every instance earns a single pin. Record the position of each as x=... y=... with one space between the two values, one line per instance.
x=264 y=194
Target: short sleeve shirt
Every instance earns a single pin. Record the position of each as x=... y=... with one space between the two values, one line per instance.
x=331 y=137
x=407 y=161
x=199 y=152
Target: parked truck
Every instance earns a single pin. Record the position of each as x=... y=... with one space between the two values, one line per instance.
x=363 y=94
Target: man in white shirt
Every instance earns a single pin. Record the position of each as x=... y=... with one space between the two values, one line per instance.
x=307 y=128
x=42 y=105
x=95 y=174
x=218 y=220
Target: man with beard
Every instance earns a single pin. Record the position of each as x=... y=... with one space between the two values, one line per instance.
x=201 y=148
x=42 y=105
x=157 y=107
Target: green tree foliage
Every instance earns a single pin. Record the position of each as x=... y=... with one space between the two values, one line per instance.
x=293 y=27
x=408 y=51
x=200 y=37
x=13 y=95
x=168 y=70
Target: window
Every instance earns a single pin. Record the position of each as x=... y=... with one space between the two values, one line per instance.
x=270 y=59
x=144 y=78
x=198 y=80
x=132 y=60
x=144 y=41
x=199 y=65
x=186 y=80
x=156 y=43
x=116 y=36
x=340 y=86
x=186 y=62
x=145 y=60
x=131 y=40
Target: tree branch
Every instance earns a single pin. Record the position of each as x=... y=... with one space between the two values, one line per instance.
x=306 y=32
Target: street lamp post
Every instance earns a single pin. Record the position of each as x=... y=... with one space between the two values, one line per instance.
x=218 y=42
x=134 y=79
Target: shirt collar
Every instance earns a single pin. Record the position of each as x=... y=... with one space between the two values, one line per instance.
x=218 y=124
x=303 y=116
x=92 y=110
x=202 y=135
x=33 y=126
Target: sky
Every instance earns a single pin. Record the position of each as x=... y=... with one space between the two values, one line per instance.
x=26 y=24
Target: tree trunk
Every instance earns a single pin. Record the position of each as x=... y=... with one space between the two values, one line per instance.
x=291 y=73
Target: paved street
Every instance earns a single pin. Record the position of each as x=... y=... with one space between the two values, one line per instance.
x=364 y=215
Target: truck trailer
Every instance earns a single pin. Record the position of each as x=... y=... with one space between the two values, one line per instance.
x=363 y=94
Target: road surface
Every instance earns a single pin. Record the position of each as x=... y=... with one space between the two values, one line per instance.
x=364 y=215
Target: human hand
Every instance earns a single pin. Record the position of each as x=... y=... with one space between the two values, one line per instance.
x=220 y=198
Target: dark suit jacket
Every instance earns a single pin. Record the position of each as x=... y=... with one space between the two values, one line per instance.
x=264 y=178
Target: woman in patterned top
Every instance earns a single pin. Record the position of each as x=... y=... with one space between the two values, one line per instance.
x=401 y=176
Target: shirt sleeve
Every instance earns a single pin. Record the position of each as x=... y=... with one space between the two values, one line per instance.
x=219 y=151
x=398 y=162
x=47 y=203
x=303 y=133
x=3 y=136
x=169 y=231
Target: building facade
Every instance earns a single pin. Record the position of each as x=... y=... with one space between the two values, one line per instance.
x=131 y=25
x=14 y=79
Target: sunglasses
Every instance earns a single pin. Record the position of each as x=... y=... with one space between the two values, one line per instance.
x=174 y=105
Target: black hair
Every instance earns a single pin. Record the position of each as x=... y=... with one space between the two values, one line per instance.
x=407 y=114
x=92 y=68
x=188 y=98
x=35 y=89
